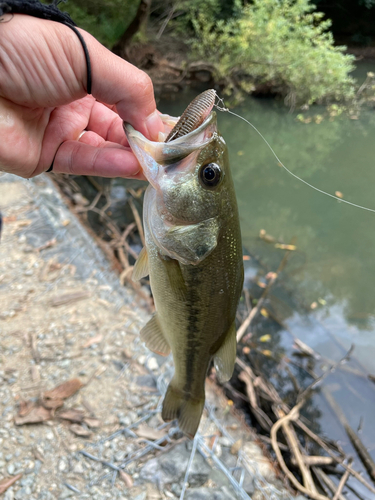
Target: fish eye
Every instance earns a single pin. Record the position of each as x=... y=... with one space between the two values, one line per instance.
x=210 y=174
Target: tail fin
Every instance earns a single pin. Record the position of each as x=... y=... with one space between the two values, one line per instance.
x=188 y=411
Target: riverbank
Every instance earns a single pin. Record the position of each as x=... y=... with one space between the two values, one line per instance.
x=66 y=319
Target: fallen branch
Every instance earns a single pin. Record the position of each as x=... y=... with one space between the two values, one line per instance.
x=291 y=416
x=342 y=483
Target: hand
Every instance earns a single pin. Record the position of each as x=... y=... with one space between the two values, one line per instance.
x=44 y=107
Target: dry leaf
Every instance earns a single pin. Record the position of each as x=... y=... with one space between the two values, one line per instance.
x=7 y=482
x=48 y=244
x=91 y=422
x=126 y=478
x=261 y=284
x=246 y=350
x=246 y=257
x=339 y=194
x=34 y=416
x=52 y=404
x=322 y=302
x=264 y=312
x=66 y=222
x=266 y=352
x=314 y=305
x=80 y=431
x=286 y=247
x=147 y=432
x=65 y=390
x=235 y=448
x=25 y=408
x=72 y=415
x=93 y=340
x=265 y=338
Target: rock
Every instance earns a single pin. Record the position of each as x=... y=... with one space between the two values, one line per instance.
x=9 y=495
x=171 y=468
x=11 y=469
x=208 y=494
x=152 y=364
x=62 y=465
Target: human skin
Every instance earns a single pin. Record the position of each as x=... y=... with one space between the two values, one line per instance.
x=44 y=106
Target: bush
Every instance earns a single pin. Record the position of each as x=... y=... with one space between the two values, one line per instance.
x=284 y=44
x=106 y=21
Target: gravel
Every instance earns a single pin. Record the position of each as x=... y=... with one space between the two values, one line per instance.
x=46 y=255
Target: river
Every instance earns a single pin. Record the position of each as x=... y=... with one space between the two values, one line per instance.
x=326 y=294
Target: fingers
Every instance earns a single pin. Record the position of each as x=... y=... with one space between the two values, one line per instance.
x=106 y=123
x=115 y=81
x=104 y=159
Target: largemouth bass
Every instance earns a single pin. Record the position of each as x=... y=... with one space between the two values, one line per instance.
x=193 y=254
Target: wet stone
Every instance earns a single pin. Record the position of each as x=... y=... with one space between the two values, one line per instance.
x=171 y=468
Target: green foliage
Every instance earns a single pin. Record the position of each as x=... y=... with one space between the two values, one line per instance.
x=284 y=44
x=107 y=20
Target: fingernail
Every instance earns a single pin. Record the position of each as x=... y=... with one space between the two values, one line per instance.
x=154 y=125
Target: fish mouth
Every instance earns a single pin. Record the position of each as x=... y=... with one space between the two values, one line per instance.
x=185 y=135
x=167 y=153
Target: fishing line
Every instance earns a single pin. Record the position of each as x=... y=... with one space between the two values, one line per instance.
x=221 y=107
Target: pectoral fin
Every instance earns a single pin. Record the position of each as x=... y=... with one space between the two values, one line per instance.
x=140 y=269
x=192 y=243
x=225 y=357
x=153 y=337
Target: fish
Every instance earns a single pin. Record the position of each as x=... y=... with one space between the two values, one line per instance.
x=192 y=254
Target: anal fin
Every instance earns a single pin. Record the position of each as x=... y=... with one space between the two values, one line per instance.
x=140 y=269
x=153 y=337
x=225 y=357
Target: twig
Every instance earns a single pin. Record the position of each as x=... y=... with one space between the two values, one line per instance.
x=338 y=460
x=165 y=22
x=263 y=419
x=327 y=481
x=314 y=460
x=355 y=440
x=342 y=482
x=318 y=380
x=137 y=220
x=294 y=448
x=291 y=416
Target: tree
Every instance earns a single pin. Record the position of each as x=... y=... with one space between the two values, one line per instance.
x=283 y=44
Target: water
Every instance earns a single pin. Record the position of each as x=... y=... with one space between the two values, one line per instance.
x=326 y=295
x=334 y=263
